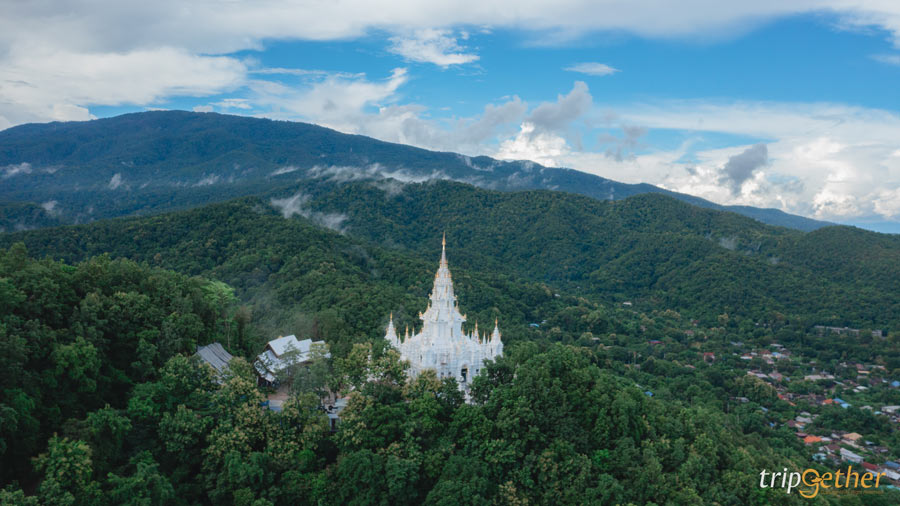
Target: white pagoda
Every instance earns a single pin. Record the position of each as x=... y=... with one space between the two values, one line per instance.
x=442 y=345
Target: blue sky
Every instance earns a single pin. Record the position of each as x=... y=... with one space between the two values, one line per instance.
x=787 y=106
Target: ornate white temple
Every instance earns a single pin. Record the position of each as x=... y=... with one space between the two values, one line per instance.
x=442 y=345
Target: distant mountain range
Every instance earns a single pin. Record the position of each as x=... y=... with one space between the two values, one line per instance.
x=156 y=161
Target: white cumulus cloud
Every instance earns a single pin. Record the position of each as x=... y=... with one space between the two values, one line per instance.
x=56 y=64
x=541 y=147
x=828 y=161
x=42 y=84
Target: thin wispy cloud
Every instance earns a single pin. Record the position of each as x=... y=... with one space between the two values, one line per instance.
x=116 y=181
x=338 y=101
x=440 y=47
x=13 y=170
x=311 y=73
x=592 y=69
x=890 y=59
x=297 y=205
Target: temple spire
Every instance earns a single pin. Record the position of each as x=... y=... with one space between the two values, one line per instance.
x=391 y=334
x=443 y=301
x=441 y=343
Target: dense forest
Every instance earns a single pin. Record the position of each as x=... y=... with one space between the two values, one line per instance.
x=103 y=404
x=649 y=249
x=649 y=245
x=293 y=275
x=604 y=395
x=165 y=160
x=18 y=216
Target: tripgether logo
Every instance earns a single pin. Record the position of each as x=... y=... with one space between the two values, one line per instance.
x=809 y=482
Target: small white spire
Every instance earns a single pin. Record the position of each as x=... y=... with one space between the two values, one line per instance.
x=391 y=334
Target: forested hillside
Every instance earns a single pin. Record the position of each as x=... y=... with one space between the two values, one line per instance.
x=590 y=398
x=295 y=276
x=77 y=339
x=648 y=246
x=164 y=160
x=648 y=249
x=98 y=388
x=17 y=216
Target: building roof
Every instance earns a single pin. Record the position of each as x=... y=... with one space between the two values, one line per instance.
x=283 y=344
x=812 y=439
x=850 y=455
x=215 y=355
x=271 y=360
x=853 y=436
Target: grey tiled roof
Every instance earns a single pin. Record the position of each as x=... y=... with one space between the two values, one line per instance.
x=215 y=355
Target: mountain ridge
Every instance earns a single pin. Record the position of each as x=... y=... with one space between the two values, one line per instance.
x=157 y=161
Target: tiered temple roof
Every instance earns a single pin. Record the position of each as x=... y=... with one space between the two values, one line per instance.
x=442 y=344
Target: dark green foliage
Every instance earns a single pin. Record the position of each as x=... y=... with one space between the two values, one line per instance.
x=70 y=336
x=99 y=390
x=296 y=277
x=649 y=249
x=16 y=216
x=549 y=424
